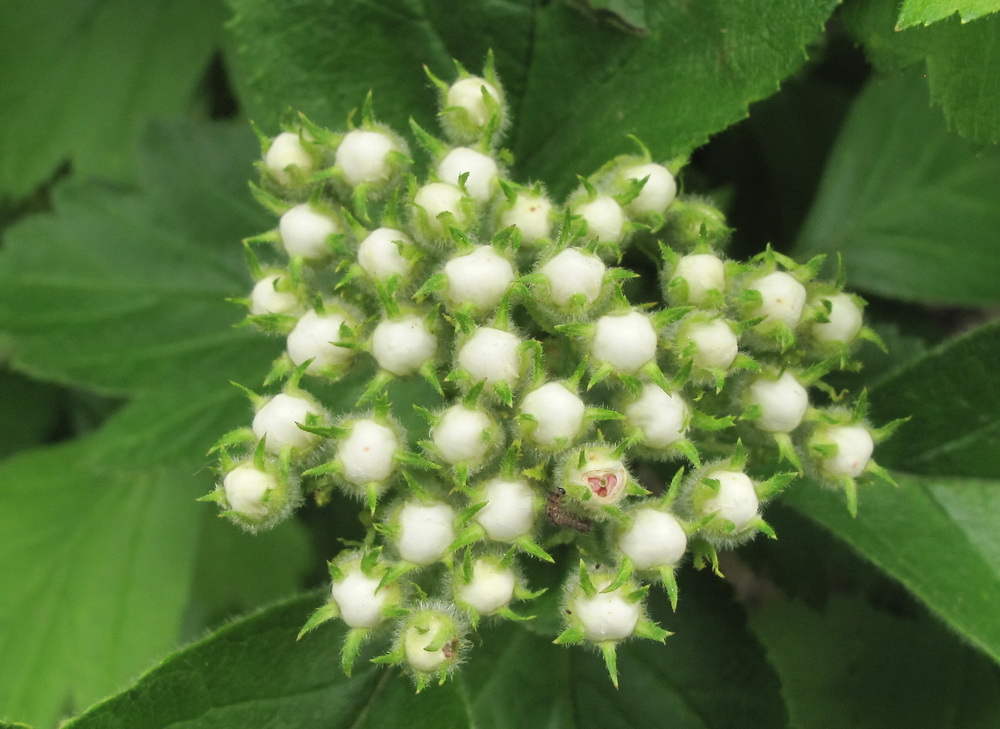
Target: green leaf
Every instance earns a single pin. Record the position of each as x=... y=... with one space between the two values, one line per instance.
x=31 y=412
x=695 y=74
x=960 y=60
x=576 y=88
x=925 y=12
x=254 y=672
x=121 y=291
x=518 y=679
x=937 y=536
x=851 y=666
x=322 y=58
x=911 y=209
x=125 y=291
x=514 y=679
x=241 y=571
x=80 y=79
x=97 y=552
x=952 y=396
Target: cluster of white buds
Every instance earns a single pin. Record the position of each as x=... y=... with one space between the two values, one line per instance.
x=548 y=386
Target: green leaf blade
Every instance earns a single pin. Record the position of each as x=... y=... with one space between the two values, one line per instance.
x=909 y=206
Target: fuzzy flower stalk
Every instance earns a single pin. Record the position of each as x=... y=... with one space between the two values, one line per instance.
x=547 y=416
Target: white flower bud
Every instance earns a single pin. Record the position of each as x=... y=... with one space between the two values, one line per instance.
x=425 y=532
x=278 y=420
x=654 y=539
x=605 y=219
x=437 y=198
x=658 y=192
x=286 y=151
x=424 y=631
x=606 y=615
x=782 y=402
x=360 y=601
x=845 y=320
x=304 y=231
x=602 y=474
x=716 y=345
x=401 y=346
x=246 y=488
x=783 y=298
x=460 y=434
x=572 y=272
x=558 y=414
x=314 y=337
x=491 y=587
x=660 y=417
x=379 y=254
x=530 y=213
x=491 y=355
x=510 y=509
x=266 y=299
x=368 y=452
x=625 y=341
x=480 y=278
x=363 y=156
x=468 y=94
x=735 y=500
x=482 y=180
x=854 y=449
x=703 y=272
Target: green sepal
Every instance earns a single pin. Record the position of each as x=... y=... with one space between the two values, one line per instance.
x=395 y=572
x=610 y=660
x=651 y=631
x=533 y=548
x=654 y=373
x=352 y=646
x=325 y=612
x=375 y=388
x=326 y=431
x=851 y=492
x=238 y=437
x=506 y=612
x=787 y=450
x=669 y=581
x=688 y=449
x=586 y=584
x=599 y=375
x=215 y=495
x=774 y=485
x=638 y=595
x=429 y=372
x=705 y=554
x=470 y=534
x=415 y=486
x=408 y=458
x=623 y=576
x=393 y=657
x=881 y=473
x=761 y=525
x=709 y=423
x=335 y=467
x=437 y=282
x=571 y=636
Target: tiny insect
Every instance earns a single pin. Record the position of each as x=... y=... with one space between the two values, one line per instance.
x=560 y=516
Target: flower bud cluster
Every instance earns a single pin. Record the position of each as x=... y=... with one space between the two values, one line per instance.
x=545 y=386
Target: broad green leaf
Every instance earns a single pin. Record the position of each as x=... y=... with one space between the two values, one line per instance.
x=98 y=548
x=693 y=75
x=255 y=673
x=321 y=58
x=960 y=60
x=710 y=673
x=925 y=12
x=936 y=533
x=850 y=666
x=125 y=291
x=910 y=208
x=937 y=536
x=31 y=411
x=81 y=78
x=514 y=679
x=241 y=571
x=952 y=396
x=577 y=87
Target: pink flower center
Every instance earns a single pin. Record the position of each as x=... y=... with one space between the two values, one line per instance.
x=603 y=484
